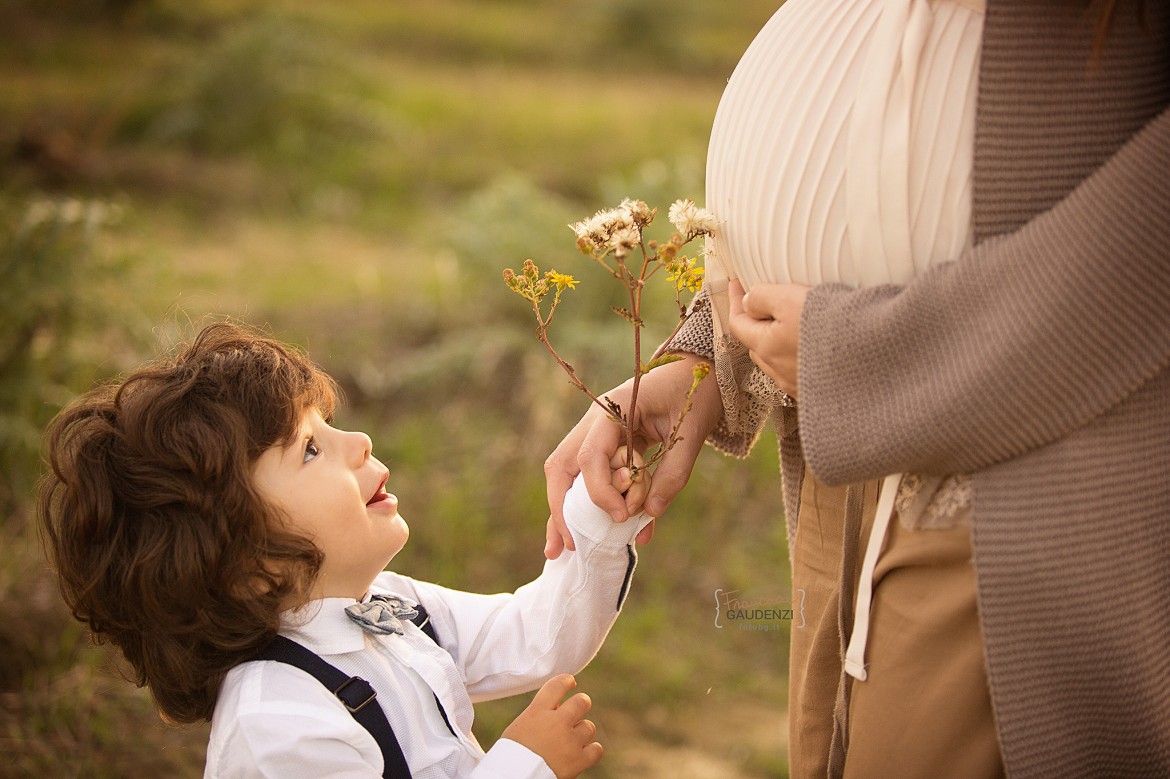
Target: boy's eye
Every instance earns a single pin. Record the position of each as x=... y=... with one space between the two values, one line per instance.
x=311 y=450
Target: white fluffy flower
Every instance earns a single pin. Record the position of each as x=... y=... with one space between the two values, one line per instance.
x=617 y=228
x=690 y=220
x=583 y=233
x=639 y=212
x=615 y=219
x=624 y=239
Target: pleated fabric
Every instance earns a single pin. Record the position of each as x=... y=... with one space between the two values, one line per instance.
x=842 y=147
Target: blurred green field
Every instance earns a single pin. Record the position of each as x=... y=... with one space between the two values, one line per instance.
x=354 y=176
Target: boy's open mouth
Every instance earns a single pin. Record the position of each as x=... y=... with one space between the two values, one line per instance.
x=380 y=494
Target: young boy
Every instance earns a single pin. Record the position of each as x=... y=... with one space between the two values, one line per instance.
x=206 y=506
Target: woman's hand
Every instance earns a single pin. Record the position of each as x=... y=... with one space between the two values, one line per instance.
x=767 y=322
x=557 y=730
x=592 y=445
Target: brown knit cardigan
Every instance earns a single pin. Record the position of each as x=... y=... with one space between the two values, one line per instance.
x=1038 y=362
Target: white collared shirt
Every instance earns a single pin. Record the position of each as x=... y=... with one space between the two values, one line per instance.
x=274 y=720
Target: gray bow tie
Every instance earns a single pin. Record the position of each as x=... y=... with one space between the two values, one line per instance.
x=381 y=614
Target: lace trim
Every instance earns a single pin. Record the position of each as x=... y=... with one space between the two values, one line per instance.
x=933 y=502
x=749 y=395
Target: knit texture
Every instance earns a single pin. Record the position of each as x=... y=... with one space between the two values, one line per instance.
x=1040 y=363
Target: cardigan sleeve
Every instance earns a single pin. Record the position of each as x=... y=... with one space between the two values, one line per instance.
x=1024 y=339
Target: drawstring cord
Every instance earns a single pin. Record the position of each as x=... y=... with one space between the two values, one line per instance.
x=855 y=653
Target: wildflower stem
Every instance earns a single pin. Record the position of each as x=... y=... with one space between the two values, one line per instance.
x=542 y=336
x=635 y=287
x=601 y=261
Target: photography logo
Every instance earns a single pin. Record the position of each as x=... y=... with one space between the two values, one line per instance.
x=763 y=614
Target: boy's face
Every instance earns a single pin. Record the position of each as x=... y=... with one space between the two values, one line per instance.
x=333 y=491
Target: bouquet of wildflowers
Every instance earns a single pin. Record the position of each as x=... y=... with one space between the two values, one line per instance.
x=614 y=239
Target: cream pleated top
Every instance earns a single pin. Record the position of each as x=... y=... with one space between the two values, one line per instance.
x=842 y=151
x=842 y=147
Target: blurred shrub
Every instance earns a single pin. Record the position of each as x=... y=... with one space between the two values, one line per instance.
x=640 y=30
x=78 y=10
x=456 y=331
x=267 y=87
x=693 y=37
x=68 y=312
x=659 y=182
x=70 y=318
x=512 y=220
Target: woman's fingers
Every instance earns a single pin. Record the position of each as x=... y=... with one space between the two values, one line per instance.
x=767 y=322
x=593 y=459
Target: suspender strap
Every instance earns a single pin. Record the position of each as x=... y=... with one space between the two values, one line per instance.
x=355 y=693
x=423 y=622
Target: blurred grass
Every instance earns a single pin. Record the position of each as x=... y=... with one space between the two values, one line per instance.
x=355 y=175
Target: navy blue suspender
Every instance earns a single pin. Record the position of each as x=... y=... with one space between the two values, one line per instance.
x=355 y=693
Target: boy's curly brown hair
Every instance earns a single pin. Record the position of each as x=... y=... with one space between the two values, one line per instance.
x=148 y=512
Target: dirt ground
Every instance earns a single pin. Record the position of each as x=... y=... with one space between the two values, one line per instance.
x=742 y=742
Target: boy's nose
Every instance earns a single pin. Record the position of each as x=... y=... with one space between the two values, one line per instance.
x=363 y=447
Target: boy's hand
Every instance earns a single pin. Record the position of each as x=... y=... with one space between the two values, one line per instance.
x=556 y=730
x=634 y=490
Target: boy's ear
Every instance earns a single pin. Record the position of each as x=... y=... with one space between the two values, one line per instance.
x=254 y=585
x=283 y=580
x=273 y=578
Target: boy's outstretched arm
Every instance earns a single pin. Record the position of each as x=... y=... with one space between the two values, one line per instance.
x=511 y=643
x=557 y=730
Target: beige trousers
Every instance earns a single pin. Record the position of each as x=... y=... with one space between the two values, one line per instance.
x=924 y=710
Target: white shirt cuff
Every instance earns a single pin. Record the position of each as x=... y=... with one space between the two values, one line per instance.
x=584 y=518
x=508 y=759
